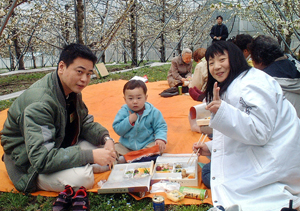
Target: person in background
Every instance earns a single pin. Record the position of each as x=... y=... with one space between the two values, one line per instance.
x=219 y=31
x=256 y=143
x=243 y=41
x=197 y=87
x=268 y=56
x=49 y=139
x=199 y=79
x=180 y=72
x=138 y=123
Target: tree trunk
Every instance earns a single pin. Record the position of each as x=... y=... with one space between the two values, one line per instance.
x=162 y=38
x=66 y=30
x=133 y=35
x=33 y=58
x=179 y=44
x=80 y=17
x=18 y=50
x=124 y=54
x=288 y=39
x=12 y=60
x=103 y=57
x=142 y=51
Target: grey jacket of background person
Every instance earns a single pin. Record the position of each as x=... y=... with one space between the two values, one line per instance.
x=35 y=129
x=223 y=32
x=286 y=74
x=179 y=70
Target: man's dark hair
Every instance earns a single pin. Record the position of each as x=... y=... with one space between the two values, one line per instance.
x=237 y=62
x=242 y=41
x=219 y=16
x=74 y=50
x=265 y=49
x=132 y=84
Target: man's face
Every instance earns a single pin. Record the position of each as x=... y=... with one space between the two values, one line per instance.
x=219 y=21
x=75 y=77
x=187 y=58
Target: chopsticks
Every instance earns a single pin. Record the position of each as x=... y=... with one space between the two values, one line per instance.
x=202 y=141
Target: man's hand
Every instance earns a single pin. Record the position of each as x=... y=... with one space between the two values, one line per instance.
x=161 y=144
x=132 y=117
x=109 y=145
x=214 y=105
x=104 y=157
x=183 y=80
x=203 y=149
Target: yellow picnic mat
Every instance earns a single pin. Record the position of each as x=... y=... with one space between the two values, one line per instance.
x=105 y=99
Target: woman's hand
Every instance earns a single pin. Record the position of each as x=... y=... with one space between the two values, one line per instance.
x=215 y=104
x=203 y=149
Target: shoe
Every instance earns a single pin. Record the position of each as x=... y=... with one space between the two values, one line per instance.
x=64 y=199
x=80 y=201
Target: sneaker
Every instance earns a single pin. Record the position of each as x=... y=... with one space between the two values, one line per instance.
x=64 y=199
x=80 y=201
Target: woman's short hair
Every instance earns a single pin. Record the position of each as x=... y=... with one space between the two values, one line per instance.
x=265 y=49
x=237 y=62
x=199 y=54
x=186 y=50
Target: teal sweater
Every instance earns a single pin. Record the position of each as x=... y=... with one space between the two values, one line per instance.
x=148 y=127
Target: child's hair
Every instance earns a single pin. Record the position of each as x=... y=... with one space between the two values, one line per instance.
x=132 y=84
x=237 y=62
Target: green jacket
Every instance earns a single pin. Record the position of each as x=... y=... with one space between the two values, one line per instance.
x=35 y=129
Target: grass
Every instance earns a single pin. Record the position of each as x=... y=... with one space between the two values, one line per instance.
x=19 y=202
x=116 y=202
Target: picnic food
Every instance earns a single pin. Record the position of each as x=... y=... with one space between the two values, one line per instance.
x=195 y=193
x=164 y=168
x=175 y=195
x=183 y=173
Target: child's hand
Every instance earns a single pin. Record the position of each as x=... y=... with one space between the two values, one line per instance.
x=161 y=144
x=132 y=117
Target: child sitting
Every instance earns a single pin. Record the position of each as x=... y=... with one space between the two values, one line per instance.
x=138 y=122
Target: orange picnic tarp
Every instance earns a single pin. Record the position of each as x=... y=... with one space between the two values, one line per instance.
x=105 y=99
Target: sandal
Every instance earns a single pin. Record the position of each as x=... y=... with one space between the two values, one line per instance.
x=80 y=201
x=64 y=199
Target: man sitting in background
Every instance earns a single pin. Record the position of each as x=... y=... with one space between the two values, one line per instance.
x=242 y=41
x=268 y=56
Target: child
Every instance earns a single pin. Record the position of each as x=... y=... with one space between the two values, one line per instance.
x=255 y=149
x=138 y=122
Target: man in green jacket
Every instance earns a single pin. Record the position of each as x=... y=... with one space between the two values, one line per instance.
x=49 y=139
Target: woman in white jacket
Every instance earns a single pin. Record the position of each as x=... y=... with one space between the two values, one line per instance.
x=256 y=145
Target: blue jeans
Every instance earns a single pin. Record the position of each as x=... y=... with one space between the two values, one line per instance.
x=206 y=175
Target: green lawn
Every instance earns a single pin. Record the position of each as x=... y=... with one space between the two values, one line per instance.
x=19 y=202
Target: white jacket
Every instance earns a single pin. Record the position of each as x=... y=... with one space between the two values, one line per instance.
x=255 y=152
